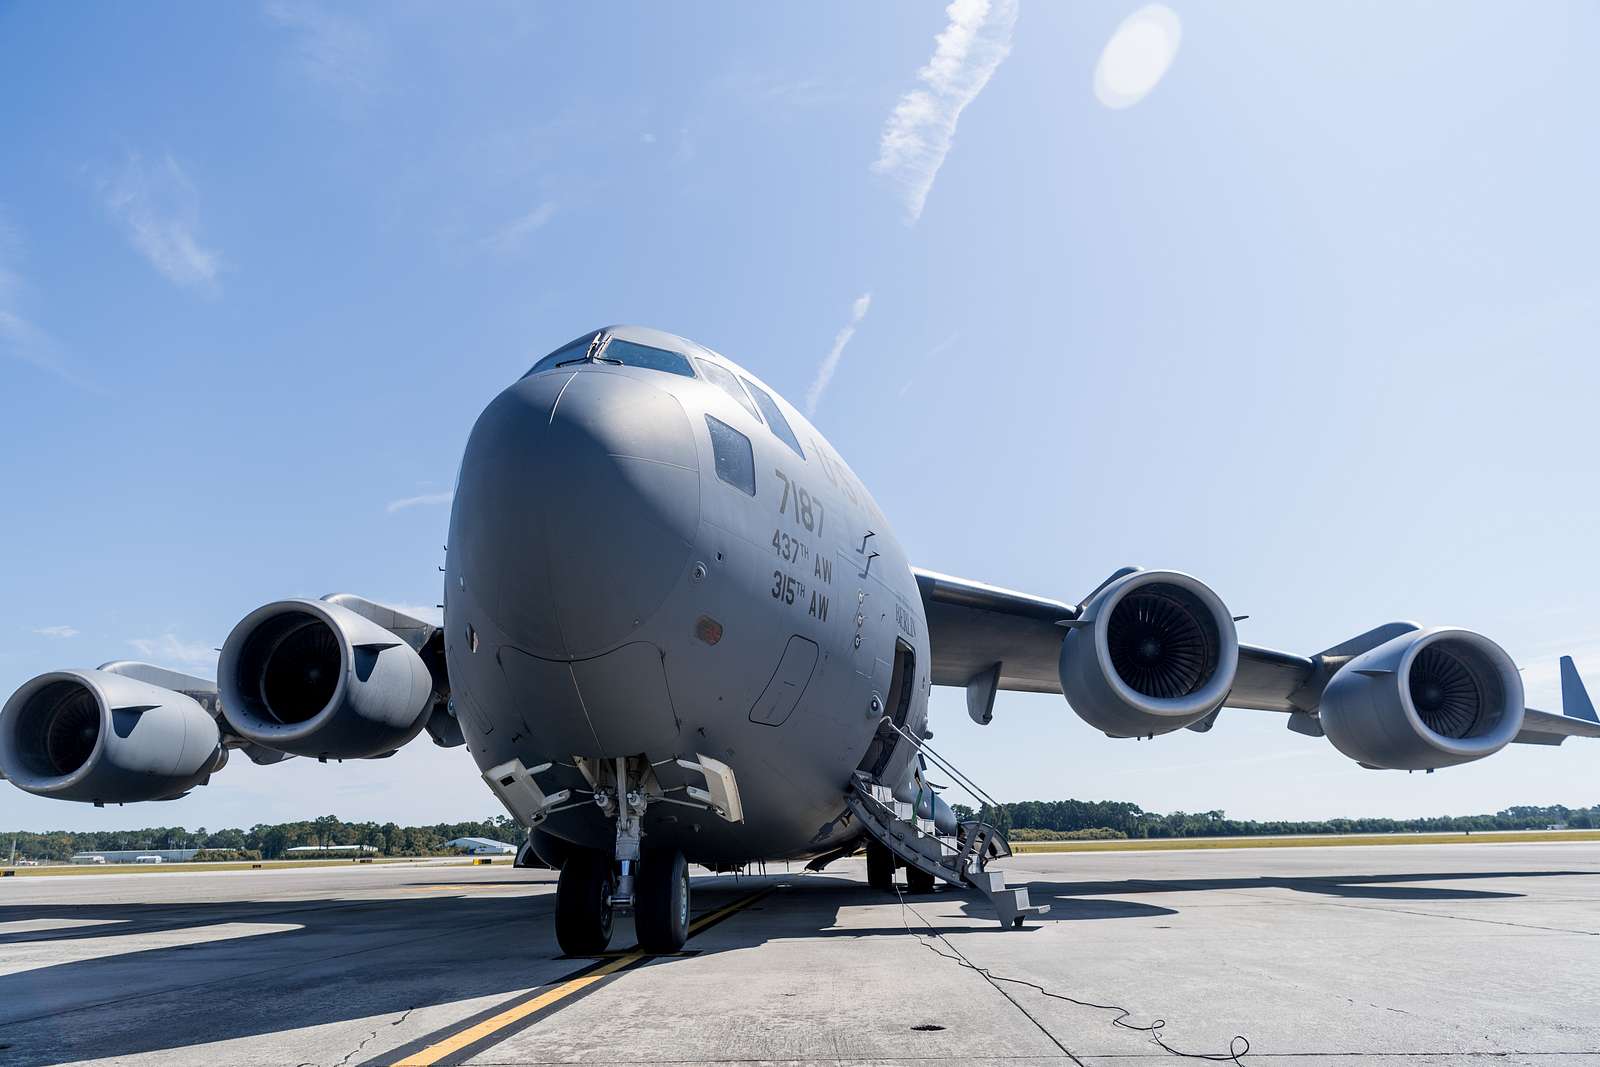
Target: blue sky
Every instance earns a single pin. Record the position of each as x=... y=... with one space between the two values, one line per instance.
x=1299 y=298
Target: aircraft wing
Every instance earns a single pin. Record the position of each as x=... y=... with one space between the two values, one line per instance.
x=973 y=626
x=985 y=638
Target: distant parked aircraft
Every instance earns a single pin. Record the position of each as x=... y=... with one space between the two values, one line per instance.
x=481 y=846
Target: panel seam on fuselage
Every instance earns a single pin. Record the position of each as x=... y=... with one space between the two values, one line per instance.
x=599 y=746
x=544 y=543
x=658 y=462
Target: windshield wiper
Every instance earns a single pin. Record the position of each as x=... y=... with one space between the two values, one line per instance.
x=589 y=355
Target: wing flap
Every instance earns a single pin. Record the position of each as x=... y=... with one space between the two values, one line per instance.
x=973 y=626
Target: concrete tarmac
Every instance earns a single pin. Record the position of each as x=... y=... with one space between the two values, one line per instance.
x=1431 y=954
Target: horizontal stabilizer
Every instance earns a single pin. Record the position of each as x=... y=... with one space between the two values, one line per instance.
x=1575 y=702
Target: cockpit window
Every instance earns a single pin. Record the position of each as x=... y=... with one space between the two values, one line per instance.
x=775 y=419
x=575 y=350
x=632 y=354
x=724 y=380
x=736 y=464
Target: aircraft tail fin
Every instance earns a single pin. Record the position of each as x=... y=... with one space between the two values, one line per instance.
x=1575 y=702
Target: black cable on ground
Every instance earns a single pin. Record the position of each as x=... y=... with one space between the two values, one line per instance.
x=1239 y=1046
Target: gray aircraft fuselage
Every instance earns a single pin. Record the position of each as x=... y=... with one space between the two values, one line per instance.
x=615 y=588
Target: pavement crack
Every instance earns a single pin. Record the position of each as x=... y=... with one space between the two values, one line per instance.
x=358 y=1048
x=347 y=1056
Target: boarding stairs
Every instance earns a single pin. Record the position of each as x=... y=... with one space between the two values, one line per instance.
x=961 y=859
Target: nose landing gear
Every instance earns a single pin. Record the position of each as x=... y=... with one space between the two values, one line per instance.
x=661 y=901
x=587 y=902
x=652 y=883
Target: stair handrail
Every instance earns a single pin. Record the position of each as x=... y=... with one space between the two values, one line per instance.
x=962 y=780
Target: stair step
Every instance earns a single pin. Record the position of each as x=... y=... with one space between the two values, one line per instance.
x=988 y=881
x=918 y=844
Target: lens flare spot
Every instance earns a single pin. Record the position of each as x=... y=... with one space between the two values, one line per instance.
x=1138 y=56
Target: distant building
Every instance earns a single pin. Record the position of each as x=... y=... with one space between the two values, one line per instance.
x=481 y=846
x=1556 y=826
x=137 y=855
x=300 y=851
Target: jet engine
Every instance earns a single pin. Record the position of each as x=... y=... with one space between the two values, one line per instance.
x=1426 y=699
x=102 y=737
x=316 y=679
x=1152 y=652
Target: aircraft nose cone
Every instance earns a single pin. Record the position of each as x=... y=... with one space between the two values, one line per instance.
x=576 y=509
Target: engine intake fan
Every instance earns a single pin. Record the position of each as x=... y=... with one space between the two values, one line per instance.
x=105 y=738
x=1424 y=700
x=314 y=678
x=1152 y=652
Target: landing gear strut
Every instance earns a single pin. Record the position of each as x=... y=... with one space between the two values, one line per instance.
x=880 y=867
x=583 y=903
x=651 y=883
x=918 y=881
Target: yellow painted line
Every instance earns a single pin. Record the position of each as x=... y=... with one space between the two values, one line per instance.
x=473 y=1034
x=455 y=1043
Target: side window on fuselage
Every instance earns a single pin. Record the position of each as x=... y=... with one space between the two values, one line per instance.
x=775 y=419
x=736 y=463
x=724 y=380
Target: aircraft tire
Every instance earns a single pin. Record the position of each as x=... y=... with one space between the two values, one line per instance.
x=919 y=881
x=880 y=867
x=583 y=903
x=661 y=902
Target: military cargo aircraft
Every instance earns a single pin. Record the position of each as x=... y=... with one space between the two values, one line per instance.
x=677 y=629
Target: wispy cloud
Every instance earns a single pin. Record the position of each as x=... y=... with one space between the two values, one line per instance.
x=29 y=343
x=830 y=362
x=20 y=338
x=421 y=500
x=920 y=130
x=57 y=631
x=683 y=145
x=169 y=648
x=157 y=206
x=334 y=52
x=10 y=254
x=932 y=354
x=515 y=234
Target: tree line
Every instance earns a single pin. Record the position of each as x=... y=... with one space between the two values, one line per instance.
x=263 y=841
x=1066 y=816
x=1082 y=817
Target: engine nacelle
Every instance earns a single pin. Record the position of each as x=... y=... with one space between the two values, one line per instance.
x=105 y=738
x=316 y=679
x=1152 y=652
x=1426 y=699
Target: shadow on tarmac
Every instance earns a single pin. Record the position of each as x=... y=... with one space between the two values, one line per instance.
x=381 y=957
